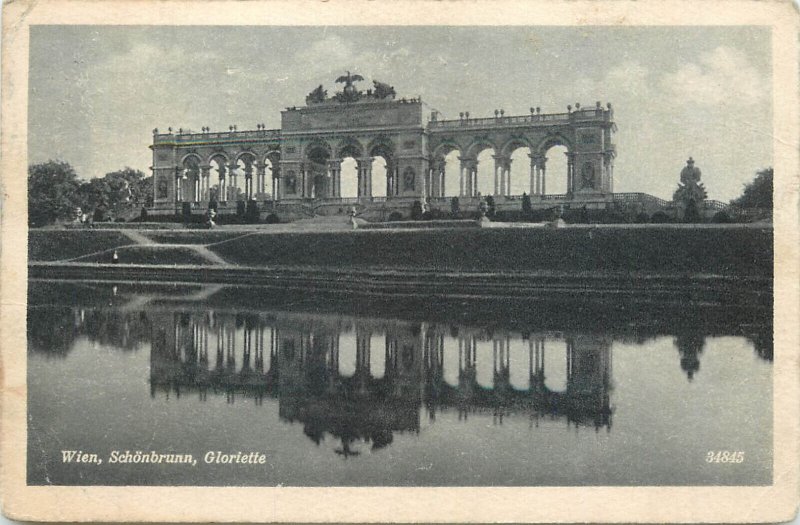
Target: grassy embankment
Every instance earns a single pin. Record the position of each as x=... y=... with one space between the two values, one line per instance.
x=745 y=251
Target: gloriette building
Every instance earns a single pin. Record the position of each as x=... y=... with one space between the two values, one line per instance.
x=296 y=170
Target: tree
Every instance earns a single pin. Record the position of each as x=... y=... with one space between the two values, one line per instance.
x=52 y=193
x=127 y=189
x=757 y=194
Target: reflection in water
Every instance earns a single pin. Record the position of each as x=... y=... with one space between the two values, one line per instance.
x=299 y=360
x=363 y=378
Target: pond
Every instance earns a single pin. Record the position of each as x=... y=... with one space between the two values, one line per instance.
x=259 y=386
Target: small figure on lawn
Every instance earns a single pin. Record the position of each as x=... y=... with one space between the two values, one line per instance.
x=483 y=208
x=115 y=258
x=210 y=215
x=352 y=214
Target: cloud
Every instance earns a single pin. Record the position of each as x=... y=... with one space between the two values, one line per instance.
x=724 y=76
x=627 y=81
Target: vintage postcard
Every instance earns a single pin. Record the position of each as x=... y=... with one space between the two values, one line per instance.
x=414 y=261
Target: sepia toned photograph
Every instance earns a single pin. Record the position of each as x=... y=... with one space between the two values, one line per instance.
x=415 y=255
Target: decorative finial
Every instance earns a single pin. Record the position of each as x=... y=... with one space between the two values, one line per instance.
x=690 y=161
x=569 y=108
x=496 y=113
x=155 y=131
x=577 y=106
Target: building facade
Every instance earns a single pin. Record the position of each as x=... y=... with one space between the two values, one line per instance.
x=298 y=168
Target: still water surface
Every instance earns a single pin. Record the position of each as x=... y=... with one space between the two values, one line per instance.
x=392 y=391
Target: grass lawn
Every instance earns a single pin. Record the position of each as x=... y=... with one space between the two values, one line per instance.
x=59 y=245
x=192 y=236
x=739 y=251
x=149 y=255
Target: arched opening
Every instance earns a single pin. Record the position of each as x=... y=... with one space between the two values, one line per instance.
x=378 y=176
x=349 y=177
x=555 y=179
x=218 y=174
x=317 y=172
x=272 y=170
x=383 y=171
x=520 y=171
x=452 y=169
x=265 y=188
x=554 y=354
x=245 y=177
x=485 y=181
x=189 y=183
x=347 y=184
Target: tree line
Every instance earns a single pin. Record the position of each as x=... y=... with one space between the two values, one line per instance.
x=56 y=194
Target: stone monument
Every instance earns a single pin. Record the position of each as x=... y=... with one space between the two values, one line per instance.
x=691 y=194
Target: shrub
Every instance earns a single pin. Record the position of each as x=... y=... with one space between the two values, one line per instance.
x=416 y=211
x=721 y=217
x=660 y=217
x=455 y=207
x=526 y=204
x=642 y=218
x=272 y=219
x=252 y=214
x=490 y=204
x=241 y=209
x=395 y=216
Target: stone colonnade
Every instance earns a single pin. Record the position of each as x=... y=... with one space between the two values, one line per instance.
x=193 y=184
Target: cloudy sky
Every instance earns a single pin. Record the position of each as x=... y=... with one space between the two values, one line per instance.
x=96 y=93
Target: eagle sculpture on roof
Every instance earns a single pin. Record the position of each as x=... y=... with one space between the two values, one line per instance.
x=348 y=79
x=349 y=93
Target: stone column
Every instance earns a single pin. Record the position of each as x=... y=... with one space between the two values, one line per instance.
x=498 y=184
x=178 y=186
x=261 y=177
x=442 y=179
x=533 y=175
x=364 y=167
x=461 y=185
x=248 y=181
x=303 y=185
x=277 y=187
x=507 y=168
x=232 y=183
x=570 y=172
x=335 y=170
x=473 y=178
x=223 y=186
x=544 y=175
x=206 y=177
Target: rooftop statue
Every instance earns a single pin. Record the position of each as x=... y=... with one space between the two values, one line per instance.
x=349 y=93
x=382 y=90
x=317 y=96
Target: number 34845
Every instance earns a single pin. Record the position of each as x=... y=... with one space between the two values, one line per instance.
x=724 y=456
